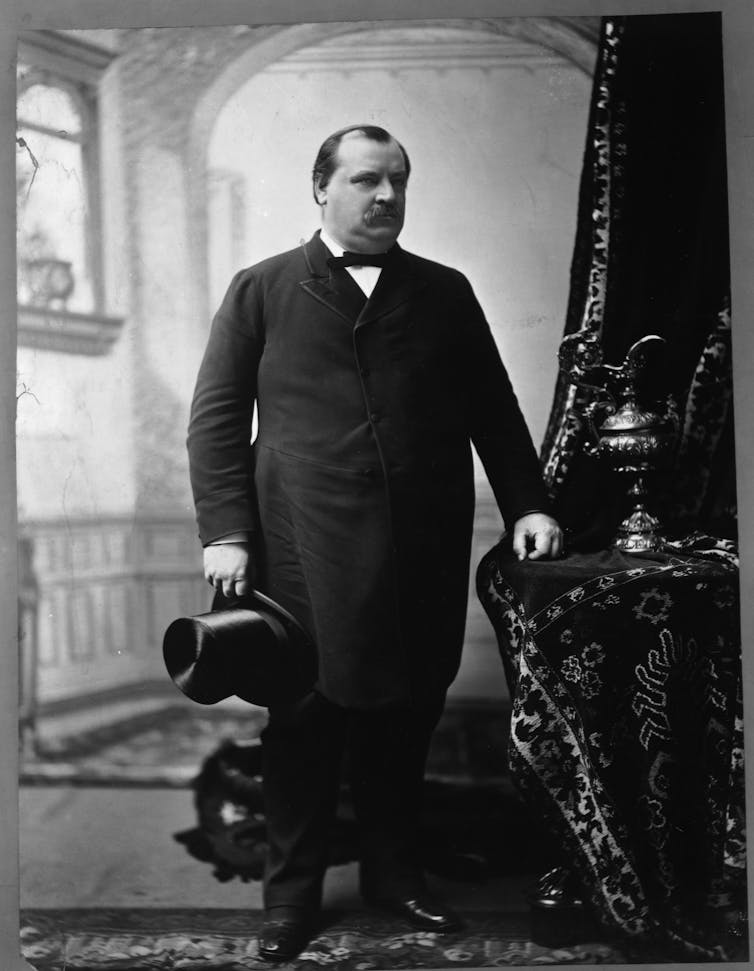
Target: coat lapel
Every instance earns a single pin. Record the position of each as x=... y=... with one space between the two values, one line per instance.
x=336 y=290
x=397 y=285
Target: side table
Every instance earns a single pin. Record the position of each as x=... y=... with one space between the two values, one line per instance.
x=627 y=730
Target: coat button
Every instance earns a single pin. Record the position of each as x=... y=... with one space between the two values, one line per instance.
x=365 y=372
x=374 y=418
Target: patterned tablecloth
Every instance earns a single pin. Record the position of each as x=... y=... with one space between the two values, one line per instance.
x=627 y=732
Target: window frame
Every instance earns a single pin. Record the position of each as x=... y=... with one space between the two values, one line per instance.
x=74 y=66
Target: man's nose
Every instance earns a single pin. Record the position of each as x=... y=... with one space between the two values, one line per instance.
x=385 y=190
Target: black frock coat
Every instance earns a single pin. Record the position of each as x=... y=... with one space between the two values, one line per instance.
x=359 y=486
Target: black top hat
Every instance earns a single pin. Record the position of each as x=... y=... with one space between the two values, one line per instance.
x=253 y=649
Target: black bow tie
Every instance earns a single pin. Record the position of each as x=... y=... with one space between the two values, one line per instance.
x=358 y=259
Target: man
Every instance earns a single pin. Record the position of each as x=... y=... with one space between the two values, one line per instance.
x=371 y=374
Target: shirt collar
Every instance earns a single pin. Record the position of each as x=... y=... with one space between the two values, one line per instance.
x=335 y=248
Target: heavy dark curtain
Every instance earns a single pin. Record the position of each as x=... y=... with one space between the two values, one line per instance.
x=624 y=669
x=651 y=257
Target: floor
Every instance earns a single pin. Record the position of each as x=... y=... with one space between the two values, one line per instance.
x=115 y=847
x=101 y=807
x=101 y=802
x=100 y=812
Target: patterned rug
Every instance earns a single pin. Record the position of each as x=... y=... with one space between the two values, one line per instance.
x=209 y=940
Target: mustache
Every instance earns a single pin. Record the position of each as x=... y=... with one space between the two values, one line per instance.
x=382 y=210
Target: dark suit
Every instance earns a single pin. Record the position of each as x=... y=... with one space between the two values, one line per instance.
x=360 y=488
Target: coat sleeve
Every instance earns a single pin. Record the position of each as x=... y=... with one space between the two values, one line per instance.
x=497 y=426
x=219 y=432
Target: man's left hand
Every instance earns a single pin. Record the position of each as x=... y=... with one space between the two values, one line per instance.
x=537 y=536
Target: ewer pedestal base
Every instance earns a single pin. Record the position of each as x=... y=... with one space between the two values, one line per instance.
x=639 y=533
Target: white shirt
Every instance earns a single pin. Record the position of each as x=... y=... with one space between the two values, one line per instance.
x=365 y=276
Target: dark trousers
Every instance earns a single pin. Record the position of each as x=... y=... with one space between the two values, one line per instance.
x=303 y=750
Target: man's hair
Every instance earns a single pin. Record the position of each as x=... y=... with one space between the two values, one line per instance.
x=327 y=156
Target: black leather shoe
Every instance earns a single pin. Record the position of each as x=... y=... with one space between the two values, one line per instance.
x=421 y=911
x=284 y=938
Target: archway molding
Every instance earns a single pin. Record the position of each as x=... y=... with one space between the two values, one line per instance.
x=574 y=39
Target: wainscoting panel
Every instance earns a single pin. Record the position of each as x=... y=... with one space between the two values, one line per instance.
x=107 y=589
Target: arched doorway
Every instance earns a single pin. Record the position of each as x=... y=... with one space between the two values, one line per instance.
x=494 y=123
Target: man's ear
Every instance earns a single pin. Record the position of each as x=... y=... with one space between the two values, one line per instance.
x=320 y=194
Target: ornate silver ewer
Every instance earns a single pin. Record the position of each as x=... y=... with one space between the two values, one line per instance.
x=632 y=439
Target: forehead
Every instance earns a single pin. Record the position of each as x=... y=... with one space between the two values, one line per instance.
x=356 y=151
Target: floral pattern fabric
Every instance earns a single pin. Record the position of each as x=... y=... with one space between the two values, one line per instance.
x=589 y=271
x=626 y=732
x=651 y=256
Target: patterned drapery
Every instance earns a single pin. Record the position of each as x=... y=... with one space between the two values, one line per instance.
x=625 y=674
x=651 y=257
x=627 y=732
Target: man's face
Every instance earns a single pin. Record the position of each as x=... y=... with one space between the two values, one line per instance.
x=364 y=202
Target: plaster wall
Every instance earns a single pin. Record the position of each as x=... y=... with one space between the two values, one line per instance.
x=495 y=131
x=494 y=125
x=74 y=428
x=495 y=147
x=73 y=435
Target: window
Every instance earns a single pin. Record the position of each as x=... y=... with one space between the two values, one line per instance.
x=59 y=237
x=53 y=195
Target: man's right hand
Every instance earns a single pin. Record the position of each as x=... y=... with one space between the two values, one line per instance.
x=228 y=567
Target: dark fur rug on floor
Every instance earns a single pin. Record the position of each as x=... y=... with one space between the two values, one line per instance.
x=470 y=830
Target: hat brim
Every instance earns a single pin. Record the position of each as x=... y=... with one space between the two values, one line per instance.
x=252 y=648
